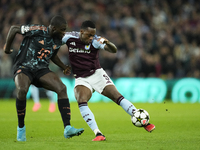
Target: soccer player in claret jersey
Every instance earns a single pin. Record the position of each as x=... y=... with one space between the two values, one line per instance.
x=39 y=46
x=83 y=49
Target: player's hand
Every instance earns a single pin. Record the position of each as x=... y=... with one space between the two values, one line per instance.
x=67 y=70
x=102 y=40
x=7 y=52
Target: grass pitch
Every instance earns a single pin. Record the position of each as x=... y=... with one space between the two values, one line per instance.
x=177 y=128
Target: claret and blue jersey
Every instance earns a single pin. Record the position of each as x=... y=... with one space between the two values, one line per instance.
x=37 y=47
x=83 y=58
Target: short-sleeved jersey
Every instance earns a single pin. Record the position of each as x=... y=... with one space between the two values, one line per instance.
x=36 y=48
x=84 y=59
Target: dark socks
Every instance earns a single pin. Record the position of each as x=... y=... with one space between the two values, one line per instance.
x=64 y=108
x=21 y=111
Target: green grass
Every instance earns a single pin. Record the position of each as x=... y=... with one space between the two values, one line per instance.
x=177 y=128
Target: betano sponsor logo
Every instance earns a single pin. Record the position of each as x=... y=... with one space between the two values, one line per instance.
x=77 y=50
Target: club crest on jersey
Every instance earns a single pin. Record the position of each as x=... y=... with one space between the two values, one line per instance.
x=87 y=47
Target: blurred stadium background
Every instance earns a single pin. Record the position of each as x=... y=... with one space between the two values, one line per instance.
x=158 y=44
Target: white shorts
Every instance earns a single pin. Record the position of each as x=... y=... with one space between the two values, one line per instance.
x=97 y=81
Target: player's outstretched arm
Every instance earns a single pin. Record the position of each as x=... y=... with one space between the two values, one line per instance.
x=58 y=62
x=110 y=47
x=10 y=37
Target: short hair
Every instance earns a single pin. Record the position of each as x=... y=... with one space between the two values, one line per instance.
x=57 y=21
x=87 y=24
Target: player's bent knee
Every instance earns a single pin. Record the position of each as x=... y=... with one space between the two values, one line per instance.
x=21 y=93
x=62 y=90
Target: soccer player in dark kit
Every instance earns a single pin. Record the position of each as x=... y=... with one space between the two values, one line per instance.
x=83 y=49
x=39 y=46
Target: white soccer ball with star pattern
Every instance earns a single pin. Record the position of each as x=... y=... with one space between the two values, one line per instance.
x=140 y=118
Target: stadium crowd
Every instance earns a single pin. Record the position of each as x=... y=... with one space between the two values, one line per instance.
x=154 y=38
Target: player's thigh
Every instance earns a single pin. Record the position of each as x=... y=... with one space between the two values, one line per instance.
x=22 y=82
x=111 y=92
x=51 y=81
x=82 y=93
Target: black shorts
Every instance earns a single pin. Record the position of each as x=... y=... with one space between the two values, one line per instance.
x=34 y=76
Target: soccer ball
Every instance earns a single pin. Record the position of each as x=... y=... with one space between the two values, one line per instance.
x=140 y=118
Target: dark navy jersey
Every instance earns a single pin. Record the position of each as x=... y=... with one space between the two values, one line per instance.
x=36 y=48
x=84 y=59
